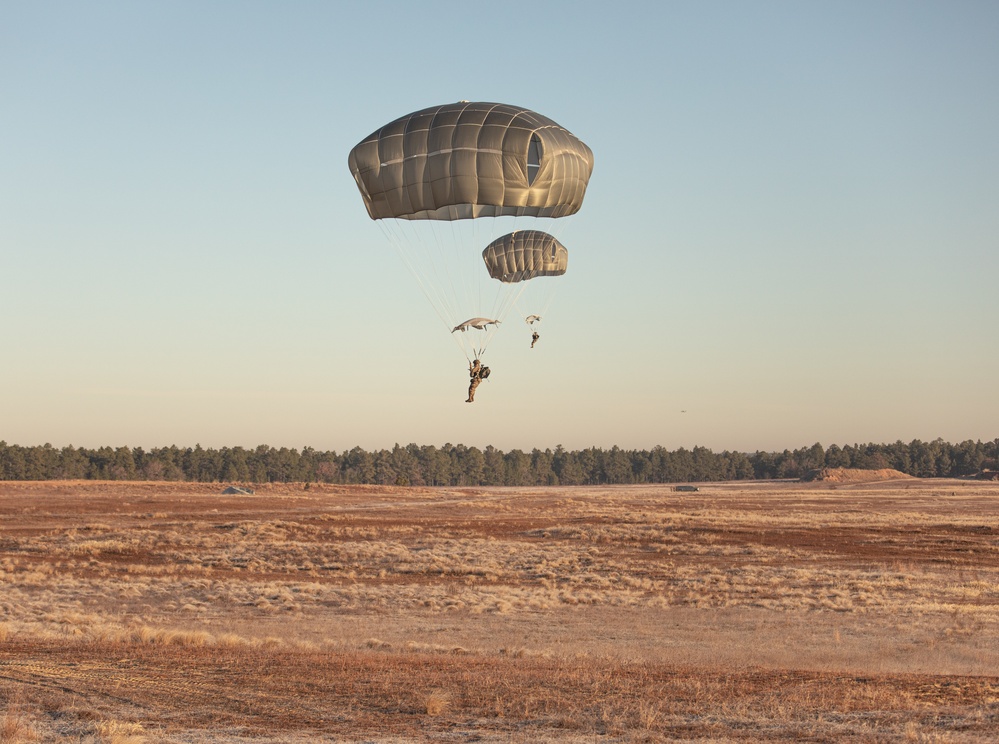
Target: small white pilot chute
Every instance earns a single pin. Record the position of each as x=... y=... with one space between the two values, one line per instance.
x=477 y=323
x=475 y=334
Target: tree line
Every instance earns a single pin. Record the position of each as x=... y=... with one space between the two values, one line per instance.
x=458 y=465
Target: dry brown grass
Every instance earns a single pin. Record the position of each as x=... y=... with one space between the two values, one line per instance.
x=119 y=732
x=15 y=725
x=170 y=612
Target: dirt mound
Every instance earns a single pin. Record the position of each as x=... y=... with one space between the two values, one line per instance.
x=853 y=475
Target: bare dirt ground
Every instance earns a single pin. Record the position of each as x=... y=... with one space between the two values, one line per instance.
x=824 y=611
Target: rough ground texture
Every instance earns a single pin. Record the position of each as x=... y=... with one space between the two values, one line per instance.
x=855 y=475
x=826 y=611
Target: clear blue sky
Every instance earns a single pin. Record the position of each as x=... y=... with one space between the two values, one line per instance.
x=791 y=232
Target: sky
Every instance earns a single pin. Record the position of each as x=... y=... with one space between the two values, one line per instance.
x=790 y=236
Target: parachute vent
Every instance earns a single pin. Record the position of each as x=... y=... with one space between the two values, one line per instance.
x=533 y=159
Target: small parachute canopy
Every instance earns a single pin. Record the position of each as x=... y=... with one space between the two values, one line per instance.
x=532 y=319
x=465 y=160
x=477 y=323
x=525 y=254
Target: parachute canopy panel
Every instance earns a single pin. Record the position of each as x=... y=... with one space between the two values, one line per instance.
x=525 y=254
x=465 y=160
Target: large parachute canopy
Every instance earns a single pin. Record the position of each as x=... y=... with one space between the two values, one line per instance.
x=464 y=160
x=458 y=163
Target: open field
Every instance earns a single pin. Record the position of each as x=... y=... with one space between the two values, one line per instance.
x=168 y=612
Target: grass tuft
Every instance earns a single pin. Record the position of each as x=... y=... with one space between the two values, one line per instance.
x=119 y=732
x=437 y=702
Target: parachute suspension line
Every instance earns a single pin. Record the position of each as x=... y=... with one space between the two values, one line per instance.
x=446 y=272
x=476 y=293
x=540 y=296
x=459 y=255
x=460 y=258
x=446 y=264
x=427 y=255
x=540 y=301
x=450 y=277
x=434 y=262
x=407 y=248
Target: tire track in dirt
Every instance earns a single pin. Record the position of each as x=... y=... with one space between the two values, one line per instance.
x=154 y=690
x=158 y=689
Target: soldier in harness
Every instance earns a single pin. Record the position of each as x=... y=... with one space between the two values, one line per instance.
x=476 y=373
x=534 y=338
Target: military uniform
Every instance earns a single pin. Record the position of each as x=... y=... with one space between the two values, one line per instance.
x=471 y=389
x=477 y=373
